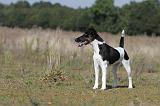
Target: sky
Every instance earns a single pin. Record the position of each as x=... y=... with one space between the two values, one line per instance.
x=73 y=3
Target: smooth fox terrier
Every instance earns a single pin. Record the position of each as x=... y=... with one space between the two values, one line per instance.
x=105 y=55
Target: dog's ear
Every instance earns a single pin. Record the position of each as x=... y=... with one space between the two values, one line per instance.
x=92 y=30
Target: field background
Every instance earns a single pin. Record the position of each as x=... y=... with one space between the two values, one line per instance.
x=45 y=67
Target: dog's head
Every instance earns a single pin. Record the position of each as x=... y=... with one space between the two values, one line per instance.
x=89 y=36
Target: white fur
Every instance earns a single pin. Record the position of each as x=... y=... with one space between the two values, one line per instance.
x=98 y=62
x=123 y=33
x=128 y=69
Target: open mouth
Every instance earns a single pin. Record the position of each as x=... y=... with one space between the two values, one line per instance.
x=80 y=44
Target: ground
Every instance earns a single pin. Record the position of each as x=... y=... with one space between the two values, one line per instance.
x=42 y=76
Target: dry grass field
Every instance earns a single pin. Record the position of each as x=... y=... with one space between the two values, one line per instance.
x=46 y=68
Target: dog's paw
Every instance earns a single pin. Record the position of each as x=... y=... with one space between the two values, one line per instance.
x=95 y=87
x=114 y=86
x=130 y=87
x=103 y=88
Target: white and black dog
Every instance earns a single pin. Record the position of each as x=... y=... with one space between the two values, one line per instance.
x=105 y=55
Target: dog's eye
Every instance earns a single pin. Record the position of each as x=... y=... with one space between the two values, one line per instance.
x=86 y=35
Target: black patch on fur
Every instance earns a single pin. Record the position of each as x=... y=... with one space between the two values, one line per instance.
x=108 y=53
x=99 y=38
x=126 y=55
x=121 y=44
x=93 y=34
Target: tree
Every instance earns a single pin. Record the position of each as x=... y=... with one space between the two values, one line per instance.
x=137 y=18
x=42 y=4
x=144 y=17
x=83 y=20
x=105 y=16
x=22 y=4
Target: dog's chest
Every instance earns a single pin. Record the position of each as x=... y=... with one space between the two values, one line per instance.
x=96 y=56
x=98 y=59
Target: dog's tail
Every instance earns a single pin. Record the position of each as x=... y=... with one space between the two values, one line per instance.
x=121 y=44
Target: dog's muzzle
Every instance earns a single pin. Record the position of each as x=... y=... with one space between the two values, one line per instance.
x=81 y=43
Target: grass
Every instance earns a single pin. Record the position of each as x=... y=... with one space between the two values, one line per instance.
x=45 y=67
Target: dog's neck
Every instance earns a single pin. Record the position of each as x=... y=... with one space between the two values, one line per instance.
x=95 y=46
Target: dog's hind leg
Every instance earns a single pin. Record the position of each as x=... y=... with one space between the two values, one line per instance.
x=114 y=71
x=126 y=65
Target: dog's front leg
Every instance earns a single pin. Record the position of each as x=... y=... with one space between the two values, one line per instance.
x=96 y=69
x=104 y=76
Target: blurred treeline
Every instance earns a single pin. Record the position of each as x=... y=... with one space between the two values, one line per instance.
x=136 y=18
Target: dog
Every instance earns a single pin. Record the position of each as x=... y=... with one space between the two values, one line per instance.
x=105 y=55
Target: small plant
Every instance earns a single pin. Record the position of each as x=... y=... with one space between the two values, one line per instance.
x=55 y=76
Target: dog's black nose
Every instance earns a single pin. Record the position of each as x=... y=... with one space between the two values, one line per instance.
x=76 y=40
